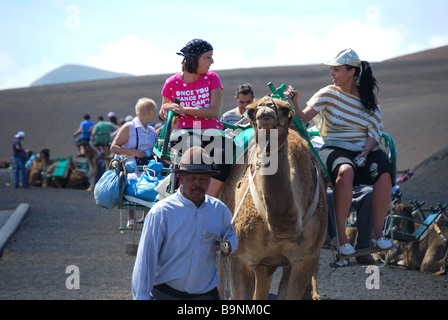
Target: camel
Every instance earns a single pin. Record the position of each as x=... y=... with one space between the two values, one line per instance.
x=74 y=177
x=428 y=255
x=288 y=226
x=4 y=164
x=34 y=171
x=94 y=165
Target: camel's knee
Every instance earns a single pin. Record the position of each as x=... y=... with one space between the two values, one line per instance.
x=243 y=277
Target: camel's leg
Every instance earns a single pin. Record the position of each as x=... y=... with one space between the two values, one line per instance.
x=107 y=158
x=284 y=283
x=243 y=279
x=92 y=176
x=263 y=279
x=413 y=258
x=300 y=279
x=433 y=259
x=443 y=265
x=93 y=166
x=316 y=295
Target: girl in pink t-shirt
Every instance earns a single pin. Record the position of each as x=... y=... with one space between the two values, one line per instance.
x=200 y=94
x=196 y=95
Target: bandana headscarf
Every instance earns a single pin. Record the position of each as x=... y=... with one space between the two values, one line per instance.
x=195 y=47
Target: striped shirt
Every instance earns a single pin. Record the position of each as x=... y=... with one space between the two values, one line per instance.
x=342 y=120
x=232 y=116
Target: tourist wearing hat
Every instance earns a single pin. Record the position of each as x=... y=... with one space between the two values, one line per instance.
x=200 y=94
x=113 y=119
x=20 y=158
x=348 y=117
x=175 y=257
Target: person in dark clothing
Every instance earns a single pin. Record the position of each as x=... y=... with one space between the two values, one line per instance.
x=20 y=158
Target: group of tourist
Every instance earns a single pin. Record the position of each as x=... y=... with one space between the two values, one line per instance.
x=97 y=135
x=173 y=260
x=348 y=117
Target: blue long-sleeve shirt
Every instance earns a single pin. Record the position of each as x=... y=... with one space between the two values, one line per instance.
x=173 y=247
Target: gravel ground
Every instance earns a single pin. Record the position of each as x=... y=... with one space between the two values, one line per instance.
x=65 y=227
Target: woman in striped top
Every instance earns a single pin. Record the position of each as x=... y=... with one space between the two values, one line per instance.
x=348 y=118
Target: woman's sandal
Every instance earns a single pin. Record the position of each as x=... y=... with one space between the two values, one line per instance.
x=346 y=249
x=382 y=243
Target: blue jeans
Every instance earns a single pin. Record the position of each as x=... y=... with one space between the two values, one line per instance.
x=19 y=172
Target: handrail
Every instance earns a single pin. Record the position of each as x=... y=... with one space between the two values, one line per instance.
x=390 y=143
x=161 y=147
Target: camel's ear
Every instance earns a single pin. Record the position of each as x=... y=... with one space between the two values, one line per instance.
x=251 y=115
x=252 y=111
x=290 y=116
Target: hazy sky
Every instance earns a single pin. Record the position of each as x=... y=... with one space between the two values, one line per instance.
x=141 y=37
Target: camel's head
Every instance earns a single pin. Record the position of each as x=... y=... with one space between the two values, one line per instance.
x=45 y=154
x=402 y=225
x=268 y=113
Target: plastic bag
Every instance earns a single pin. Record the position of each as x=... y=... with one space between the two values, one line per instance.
x=156 y=167
x=145 y=187
x=107 y=190
x=130 y=187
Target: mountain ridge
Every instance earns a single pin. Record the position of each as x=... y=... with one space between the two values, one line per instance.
x=76 y=73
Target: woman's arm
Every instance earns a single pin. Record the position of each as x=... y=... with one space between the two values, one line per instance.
x=370 y=144
x=120 y=139
x=305 y=115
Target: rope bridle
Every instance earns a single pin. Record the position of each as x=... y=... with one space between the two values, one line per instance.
x=228 y=288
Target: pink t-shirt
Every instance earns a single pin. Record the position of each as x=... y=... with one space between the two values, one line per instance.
x=195 y=95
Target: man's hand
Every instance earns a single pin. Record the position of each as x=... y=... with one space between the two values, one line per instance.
x=225 y=248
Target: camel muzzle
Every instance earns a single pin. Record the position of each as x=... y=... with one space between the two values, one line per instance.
x=266 y=118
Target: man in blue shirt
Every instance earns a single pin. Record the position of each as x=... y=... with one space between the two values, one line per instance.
x=20 y=158
x=84 y=132
x=175 y=258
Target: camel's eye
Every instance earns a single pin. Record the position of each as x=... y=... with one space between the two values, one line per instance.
x=270 y=105
x=285 y=112
x=251 y=114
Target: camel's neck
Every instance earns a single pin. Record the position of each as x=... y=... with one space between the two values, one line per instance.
x=278 y=195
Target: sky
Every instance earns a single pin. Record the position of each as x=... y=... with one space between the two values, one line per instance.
x=142 y=37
